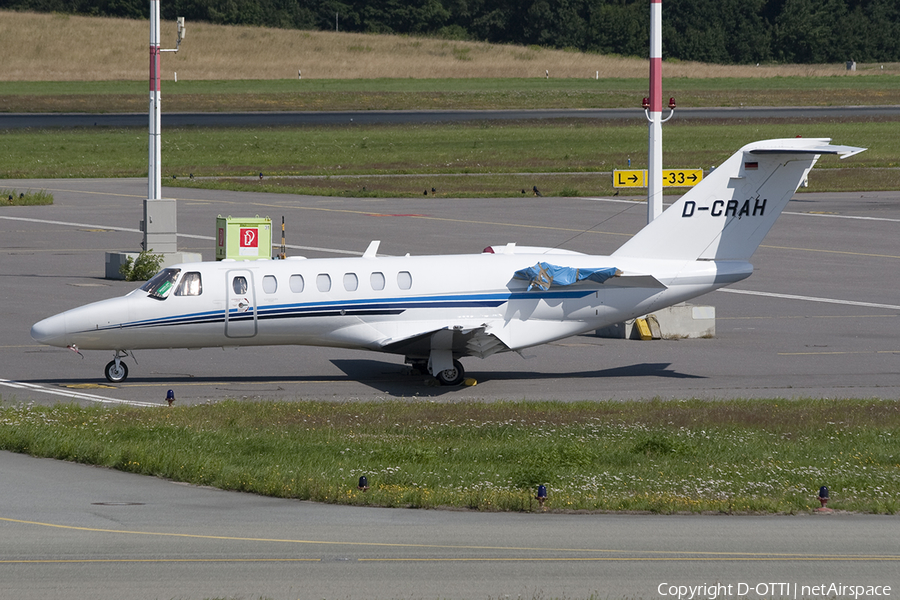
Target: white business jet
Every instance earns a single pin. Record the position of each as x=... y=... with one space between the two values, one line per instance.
x=435 y=310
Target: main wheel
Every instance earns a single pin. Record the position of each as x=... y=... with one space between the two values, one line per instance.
x=452 y=376
x=116 y=373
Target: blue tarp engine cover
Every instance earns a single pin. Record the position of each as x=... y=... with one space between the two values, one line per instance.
x=543 y=275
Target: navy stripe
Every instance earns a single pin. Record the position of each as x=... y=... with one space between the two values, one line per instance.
x=361 y=307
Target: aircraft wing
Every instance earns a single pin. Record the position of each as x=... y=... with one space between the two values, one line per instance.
x=635 y=281
x=462 y=340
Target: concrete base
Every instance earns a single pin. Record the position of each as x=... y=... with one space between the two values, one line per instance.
x=114 y=260
x=672 y=323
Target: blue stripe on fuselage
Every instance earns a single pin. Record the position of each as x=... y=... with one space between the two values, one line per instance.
x=367 y=306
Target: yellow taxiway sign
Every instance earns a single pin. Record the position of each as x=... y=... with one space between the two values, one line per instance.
x=671 y=178
x=682 y=177
x=635 y=178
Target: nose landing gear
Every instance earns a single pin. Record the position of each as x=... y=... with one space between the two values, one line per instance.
x=116 y=371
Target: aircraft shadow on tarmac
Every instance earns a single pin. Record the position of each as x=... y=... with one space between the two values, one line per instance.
x=383 y=376
x=389 y=378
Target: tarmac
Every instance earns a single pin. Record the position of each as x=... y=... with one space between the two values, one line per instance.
x=818 y=318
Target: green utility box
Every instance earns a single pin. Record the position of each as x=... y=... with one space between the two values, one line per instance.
x=243 y=238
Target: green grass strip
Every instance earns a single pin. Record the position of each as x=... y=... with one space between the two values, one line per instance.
x=10 y=197
x=442 y=94
x=524 y=85
x=484 y=148
x=659 y=456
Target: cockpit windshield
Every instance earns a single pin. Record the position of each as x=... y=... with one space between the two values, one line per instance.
x=161 y=284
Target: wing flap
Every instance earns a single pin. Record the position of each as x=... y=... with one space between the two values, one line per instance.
x=461 y=340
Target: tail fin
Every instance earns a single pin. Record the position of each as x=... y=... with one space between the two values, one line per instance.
x=727 y=215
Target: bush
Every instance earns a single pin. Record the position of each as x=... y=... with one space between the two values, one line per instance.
x=145 y=266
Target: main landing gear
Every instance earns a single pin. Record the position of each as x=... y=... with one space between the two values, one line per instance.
x=452 y=376
x=116 y=371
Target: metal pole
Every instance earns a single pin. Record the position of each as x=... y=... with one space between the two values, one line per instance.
x=154 y=191
x=654 y=158
x=159 y=225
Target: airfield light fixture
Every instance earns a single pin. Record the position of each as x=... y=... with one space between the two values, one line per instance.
x=541 y=494
x=645 y=103
x=363 y=483
x=671 y=103
x=170 y=397
x=823 y=495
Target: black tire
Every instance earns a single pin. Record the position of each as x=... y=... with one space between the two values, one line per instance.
x=116 y=375
x=452 y=376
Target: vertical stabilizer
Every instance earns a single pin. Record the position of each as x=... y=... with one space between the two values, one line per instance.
x=727 y=215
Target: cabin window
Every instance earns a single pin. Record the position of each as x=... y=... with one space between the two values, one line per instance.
x=239 y=285
x=323 y=282
x=377 y=281
x=190 y=285
x=351 y=282
x=296 y=282
x=404 y=280
x=161 y=284
x=270 y=284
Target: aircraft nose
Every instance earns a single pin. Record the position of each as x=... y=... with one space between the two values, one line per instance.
x=50 y=331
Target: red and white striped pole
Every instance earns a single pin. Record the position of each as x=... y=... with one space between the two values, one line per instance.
x=159 y=225
x=154 y=174
x=654 y=159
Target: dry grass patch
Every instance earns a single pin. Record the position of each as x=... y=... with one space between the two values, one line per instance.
x=117 y=49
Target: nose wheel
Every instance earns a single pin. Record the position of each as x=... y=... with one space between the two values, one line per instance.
x=116 y=370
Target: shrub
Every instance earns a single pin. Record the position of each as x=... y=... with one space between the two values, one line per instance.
x=145 y=266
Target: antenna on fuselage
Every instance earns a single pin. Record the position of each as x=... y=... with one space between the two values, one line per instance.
x=283 y=254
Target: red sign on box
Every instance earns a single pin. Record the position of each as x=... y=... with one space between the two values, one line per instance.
x=249 y=242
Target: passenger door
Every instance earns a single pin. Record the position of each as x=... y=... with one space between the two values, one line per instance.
x=240 y=305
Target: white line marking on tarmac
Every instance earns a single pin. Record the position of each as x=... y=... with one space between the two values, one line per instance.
x=811 y=299
x=184 y=235
x=638 y=201
x=842 y=217
x=71 y=394
x=67 y=224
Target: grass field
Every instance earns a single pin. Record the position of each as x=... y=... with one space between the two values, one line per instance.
x=255 y=71
x=249 y=68
x=567 y=158
x=660 y=456
x=27 y=198
x=456 y=94
x=117 y=49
